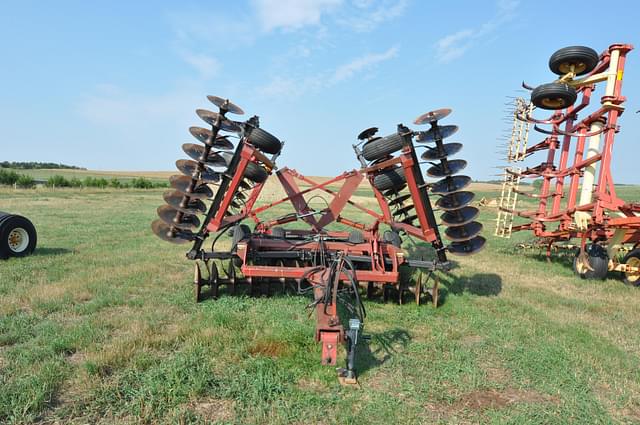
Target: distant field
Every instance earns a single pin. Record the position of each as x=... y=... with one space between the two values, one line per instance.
x=43 y=174
x=100 y=326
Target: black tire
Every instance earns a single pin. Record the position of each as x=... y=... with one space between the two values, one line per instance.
x=255 y=173
x=598 y=260
x=356 y=236
x=392 y=237
x=379 y=148
x=18 y=237
x=584 y=60
x=632 y=259
x=390 y=179
x=265 y=141
x=553 y=96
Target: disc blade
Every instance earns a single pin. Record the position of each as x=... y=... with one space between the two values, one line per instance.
x=240 y=195
x=467 y=248
x=463 y=233
x=409 y=220
x=432 y=116
x=368 y=133
x=448 y=149
x=189 y=206
x=164 y=232
x=225 y=124
x=182 y=183
x=460 y=216
x=203 y=135
x=429 y=135
x=450 y=184
x=392 y=192
x=226 y=105
x=195 y=152
x=399 y=199
x=452 y=167
x=188 y=167
x=186 y=222
x=244 y=185
x=403 y=211
x=454 y=201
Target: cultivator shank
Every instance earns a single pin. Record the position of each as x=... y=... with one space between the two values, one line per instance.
x=334 y=266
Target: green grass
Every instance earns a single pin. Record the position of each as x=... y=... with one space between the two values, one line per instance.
x=100 y=326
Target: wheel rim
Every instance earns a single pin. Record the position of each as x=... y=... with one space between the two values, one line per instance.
x=18 y=240
x=633 y=277
x=553 y=102
x=578 y=67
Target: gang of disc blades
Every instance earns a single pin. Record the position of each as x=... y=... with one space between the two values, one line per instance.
x=226 y=105
x=399 y=199
x=193 y=206
x=189 y=167
x=168 y=215
x=450 y=184
x=210 y=118
x=454 y=166
x=455 y=200
x=467 y=248
x=203 y=135
x=429 y=135
x=463 y=233
x=409 y=220
x=163 y=231
x=403 y=210
x=448 y=149
x=182 y=183
x=195 y=152
x=461 y=216
x=390 y=192
x=432 y=116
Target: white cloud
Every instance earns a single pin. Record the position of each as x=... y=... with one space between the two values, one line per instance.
x=295 y=87
x=292 y=14
x=347 y=70
x=454 y=46
x=373 y=14
x=207 y=66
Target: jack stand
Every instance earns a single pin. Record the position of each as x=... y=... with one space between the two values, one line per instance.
x=347 y=376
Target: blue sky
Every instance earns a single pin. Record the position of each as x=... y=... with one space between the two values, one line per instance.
x=114 y=85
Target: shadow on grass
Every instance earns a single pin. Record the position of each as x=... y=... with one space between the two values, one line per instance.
x=387 y=344
x=50 y=251
x=481 y=284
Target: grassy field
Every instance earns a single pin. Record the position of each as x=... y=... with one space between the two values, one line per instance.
x=100 y=326
x=124 y=176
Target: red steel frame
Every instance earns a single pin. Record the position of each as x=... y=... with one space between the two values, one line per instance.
x=385 y=258
x=604 y=198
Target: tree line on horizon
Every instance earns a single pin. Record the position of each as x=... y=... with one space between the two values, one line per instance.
x=12 y=178
x=38 y=165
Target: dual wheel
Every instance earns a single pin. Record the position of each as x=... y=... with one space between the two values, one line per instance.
x=577 y=59
x=17 y=236
x=598 y=265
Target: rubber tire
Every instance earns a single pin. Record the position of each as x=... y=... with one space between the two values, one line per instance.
x=392 y=237
x=7 y=224
x=356 y=237
x=598 y=260
x=588 y=57
x=632 y=254
x=379 y=148
x=265 y=141
x=390 y=179
x=543 y=95
x=255 y=173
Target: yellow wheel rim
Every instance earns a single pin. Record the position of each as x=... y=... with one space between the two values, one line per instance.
x=633 y=276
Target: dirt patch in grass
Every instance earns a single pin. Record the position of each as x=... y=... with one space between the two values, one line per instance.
x=471 y=340
x=481 y=400
x=214 y=409
x=268 y=348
